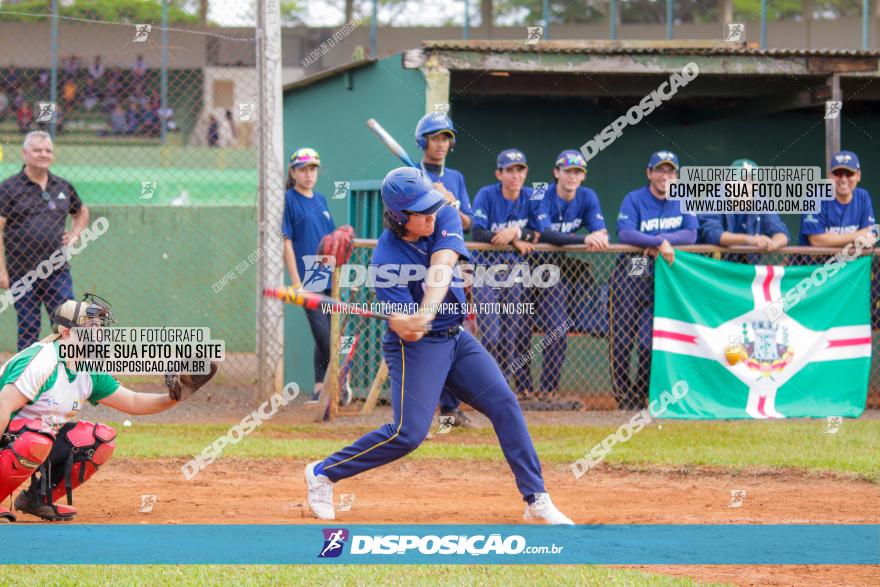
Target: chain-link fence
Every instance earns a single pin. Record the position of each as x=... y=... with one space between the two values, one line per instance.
x=156 y=134
x=585 y=343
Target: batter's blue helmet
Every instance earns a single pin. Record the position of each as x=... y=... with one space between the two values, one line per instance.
x=432 y=123
x=407 y=189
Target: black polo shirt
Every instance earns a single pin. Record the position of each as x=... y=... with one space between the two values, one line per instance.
x=34 y=226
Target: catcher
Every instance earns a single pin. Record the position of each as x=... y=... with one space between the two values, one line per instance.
x=39 y=400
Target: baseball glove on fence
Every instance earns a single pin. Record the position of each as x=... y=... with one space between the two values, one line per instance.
x=338 y=244
x=182 y=385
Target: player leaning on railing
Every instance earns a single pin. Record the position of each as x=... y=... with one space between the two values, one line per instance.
x=39 y=401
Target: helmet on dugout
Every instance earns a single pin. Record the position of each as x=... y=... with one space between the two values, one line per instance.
x=407 y=189
x=432 y=123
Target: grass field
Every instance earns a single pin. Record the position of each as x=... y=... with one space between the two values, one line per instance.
x=800 y=445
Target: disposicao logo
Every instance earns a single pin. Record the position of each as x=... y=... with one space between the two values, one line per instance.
x=334 y=542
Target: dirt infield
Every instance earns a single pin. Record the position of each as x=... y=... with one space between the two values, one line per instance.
x=430 y=492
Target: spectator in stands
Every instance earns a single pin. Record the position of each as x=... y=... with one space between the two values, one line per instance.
x=232 y=129
x=167 y=114
x=25 y=117
x=118 y=120
x=112 y=90
x=137 y=96
x=43 y=81
x=150 y=125
x=650 y=221
x=96 y=71
x=34 y=205
x=71 y=67
x=133 y=119
x=767 y=232
x=68 y=93
x=4 y=105
x=213 y=131
x=11 y=79
x=90 y=95
x=139 y=70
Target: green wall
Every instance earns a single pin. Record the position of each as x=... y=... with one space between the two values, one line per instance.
x=330 y=116
x=157 y=265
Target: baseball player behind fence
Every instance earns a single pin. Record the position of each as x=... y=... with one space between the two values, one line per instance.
x=435 y=136
x=40 y=397
x=570 y=207
x=650 y=221
x=428 y=350
x=766 y=232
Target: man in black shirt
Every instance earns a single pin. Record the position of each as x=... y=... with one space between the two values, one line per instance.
x=34 y=205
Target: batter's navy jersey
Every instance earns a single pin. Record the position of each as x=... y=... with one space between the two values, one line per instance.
x=392 y=252
x=453 y=181
x=712 y=225
x=839 y=218
x=644 y=213
x=582 y=210
x=306 y=221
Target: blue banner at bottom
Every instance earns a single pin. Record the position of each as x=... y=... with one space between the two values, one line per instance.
x=443 y=544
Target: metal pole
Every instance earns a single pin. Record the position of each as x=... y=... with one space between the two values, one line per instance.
x=545 y=9
x=53 y=68
x=164 y=80
x=467 y=20
x=668 y=19
x=763 y=24
x=270 y=157
x=374 y=30
x=832 y=125
x=612 y=17
x=866 y=24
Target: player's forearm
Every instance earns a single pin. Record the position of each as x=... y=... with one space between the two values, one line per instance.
x=143 y=404
x=731 y=239
x=437 y=281
x=465 y=220
x=685 y=236
x=830 y=239
x=638 y=239
x=780 y=239
x=483 y=235
x=560 y=239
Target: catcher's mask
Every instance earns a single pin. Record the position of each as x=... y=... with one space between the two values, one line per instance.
x=91 y=311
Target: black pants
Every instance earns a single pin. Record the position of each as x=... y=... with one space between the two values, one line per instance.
x=319 y=322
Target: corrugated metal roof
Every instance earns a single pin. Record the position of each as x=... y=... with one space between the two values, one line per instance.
x=309 y=80
x=663 y=47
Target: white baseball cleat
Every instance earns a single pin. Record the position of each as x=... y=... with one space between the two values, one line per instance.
x=320 y=493
x=543 y=510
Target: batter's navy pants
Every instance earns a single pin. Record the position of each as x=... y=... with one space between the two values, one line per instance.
x=417 y=373
x=632 y=321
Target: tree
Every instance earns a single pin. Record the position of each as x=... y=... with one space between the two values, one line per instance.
x=128 y=11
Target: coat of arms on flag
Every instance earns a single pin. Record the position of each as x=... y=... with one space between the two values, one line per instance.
x=712 y=329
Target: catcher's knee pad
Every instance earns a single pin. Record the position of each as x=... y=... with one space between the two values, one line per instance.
x=25 y=447
x=80 y=449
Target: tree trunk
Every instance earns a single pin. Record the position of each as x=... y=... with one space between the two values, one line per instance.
x=349 y=10
x=203 y=12
x=486 y=18
x=808 y=22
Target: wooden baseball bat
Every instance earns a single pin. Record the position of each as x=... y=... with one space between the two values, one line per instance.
x=314 y=301
x=389 y=142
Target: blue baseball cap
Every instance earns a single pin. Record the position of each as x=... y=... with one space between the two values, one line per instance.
x=661 y=157
x=571 y=159
x=845 y=160
x=509 y=157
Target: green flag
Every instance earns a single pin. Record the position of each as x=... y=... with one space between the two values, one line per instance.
x=762 y=341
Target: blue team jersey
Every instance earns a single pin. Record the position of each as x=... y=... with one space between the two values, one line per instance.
x=492 y=211
x=839 y=218
x=712 y=225
x=306 y=221
x=453 y=181
x=643 y=212
x=582 y=210
x=391 y=252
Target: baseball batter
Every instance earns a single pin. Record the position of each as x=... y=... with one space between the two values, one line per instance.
x=428 y=350
x=39 y=401
x=650 y=221
x=435 y=136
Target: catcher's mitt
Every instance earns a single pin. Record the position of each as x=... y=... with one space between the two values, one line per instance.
x=182 y=385
x=338 y=244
